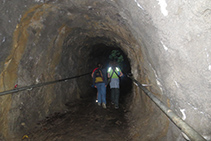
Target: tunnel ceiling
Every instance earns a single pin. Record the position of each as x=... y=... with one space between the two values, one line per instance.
x=73 y=28
x=45 y=31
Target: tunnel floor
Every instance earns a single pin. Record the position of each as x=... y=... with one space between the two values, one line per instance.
x=84 y=120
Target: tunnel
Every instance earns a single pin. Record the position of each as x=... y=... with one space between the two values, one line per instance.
x=165 y=45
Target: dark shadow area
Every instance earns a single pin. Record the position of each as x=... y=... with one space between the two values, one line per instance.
x=100 y=54
x=83 y=120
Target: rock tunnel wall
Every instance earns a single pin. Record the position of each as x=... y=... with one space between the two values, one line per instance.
x=167 y=43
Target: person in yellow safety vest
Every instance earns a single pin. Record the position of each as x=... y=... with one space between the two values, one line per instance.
x=114 y=73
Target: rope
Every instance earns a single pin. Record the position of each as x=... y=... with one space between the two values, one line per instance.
x=39 y=85
x=187 y=129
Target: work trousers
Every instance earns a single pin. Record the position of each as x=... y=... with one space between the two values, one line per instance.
x=115 y=96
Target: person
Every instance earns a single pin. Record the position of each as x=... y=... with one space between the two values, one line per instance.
x=114 y=73
x=98 y=65
x=100 y=81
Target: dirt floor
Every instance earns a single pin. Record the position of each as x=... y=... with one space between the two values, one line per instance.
x=84 y=121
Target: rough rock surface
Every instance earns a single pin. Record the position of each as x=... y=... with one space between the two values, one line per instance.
x=83 y=120
x=166 y=43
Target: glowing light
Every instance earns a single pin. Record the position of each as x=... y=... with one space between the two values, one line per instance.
x=163 y=6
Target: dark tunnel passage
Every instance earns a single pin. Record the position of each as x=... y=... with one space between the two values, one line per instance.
x=83 y=118
x=78 y=105
x=101 y=53
x=164 y=49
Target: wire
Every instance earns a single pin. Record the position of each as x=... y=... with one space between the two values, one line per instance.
x=187 y=129
x=39 y=85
